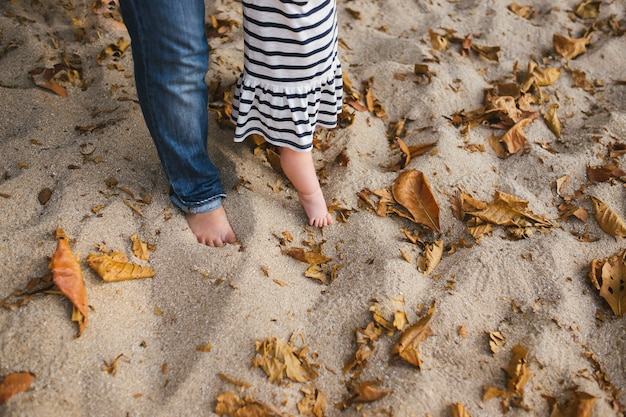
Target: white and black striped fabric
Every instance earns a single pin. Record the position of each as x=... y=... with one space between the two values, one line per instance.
x=291 y=80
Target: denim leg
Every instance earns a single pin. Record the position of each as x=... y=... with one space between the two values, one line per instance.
x=171 y=55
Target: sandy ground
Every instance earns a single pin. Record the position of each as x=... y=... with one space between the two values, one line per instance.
x=534 y=291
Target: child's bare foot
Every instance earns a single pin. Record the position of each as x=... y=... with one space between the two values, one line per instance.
x=315 y=207
x=211 y=228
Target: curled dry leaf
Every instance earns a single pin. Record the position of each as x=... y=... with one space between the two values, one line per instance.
x=362 y=392
x=412 y=191
x=522 y=11
x=588 y=9
x=514 y=139
x=67 y=276
x=14 y=384
x=365 y=339
x=438 y=42
x=280 y=360
x=115 y=267
x=229 y=404
x=569 y=48
x=407 y=346
x=608 y=219
x=609 y=276
x=430 y=258
x=552 y=120
x=314 y=401
x=580 y=404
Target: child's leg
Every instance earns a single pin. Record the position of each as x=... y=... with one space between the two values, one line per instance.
x=299 y=168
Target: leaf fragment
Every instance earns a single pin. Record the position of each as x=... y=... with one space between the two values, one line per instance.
x=314 y=401
x=139 y=248
x=67 y=276
x=15 y=383
x=552 y=120
x=362 y=392
x=229 y=404
x=458 y=410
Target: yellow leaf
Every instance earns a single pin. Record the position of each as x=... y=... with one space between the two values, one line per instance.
x=407 y=346
x=608 y=219
x=204 y=348
x=569 y=48
x=588 y=9
x=279 y=360
x=518 y=370
x=362 y=392
x=314 y=402
x=552 y=120
x=613 y=285
x=438 y=42
x=67 y=275
x=112 y=270
x=458 y=410
x=140 y=249
x=230 y=404
x=412 y=191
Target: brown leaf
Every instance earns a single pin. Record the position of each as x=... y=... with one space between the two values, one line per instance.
x=608 y=219
x=68 y=277
x=492 y=53
x=204 y=348
x=362 y=392
x=407 y=346
x=546 y=76
x=307 y=256
x=579 y=405
x=522 y=11
x=430 y=258
x=518 y=370
x=515 y=139
x=604 y=173
x=229 y=404
x=412 y=191
x=314 y=402
x=552 y=120
x=14 y=384
x=569 y=48
x=111 y=269
x=279 y=360
x=609 y=276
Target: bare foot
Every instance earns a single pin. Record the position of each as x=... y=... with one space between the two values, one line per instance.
x=211 y=228
x=315 y=207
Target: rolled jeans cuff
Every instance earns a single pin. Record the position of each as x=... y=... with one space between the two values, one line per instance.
x=211 y=204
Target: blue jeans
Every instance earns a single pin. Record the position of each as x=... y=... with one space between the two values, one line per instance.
x=171 y=58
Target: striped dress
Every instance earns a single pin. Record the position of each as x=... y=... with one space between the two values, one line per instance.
x=291 y=81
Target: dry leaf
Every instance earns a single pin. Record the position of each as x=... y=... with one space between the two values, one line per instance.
x=412 y=191
x=492 y=53
x=111 y=269
x=458 y=410
x=279 y=360
x=608 y=219
x=140 y=248
x=229 y=404
x=234 y=381
x=307 y=256
x=438 y=42
x=407 y=346
x=68 y=277
x=14 y=384
x=204 y=348
x=112 y=368
x=579 y=405
x=522 y=11
x=518 y=373
x=514 y=139
x=552 y=120
x=362 y=392
x=569 y=48
x=430 y=258
x=604 y=173
x=314 y=402
x=588 y=9
x=609 y=276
